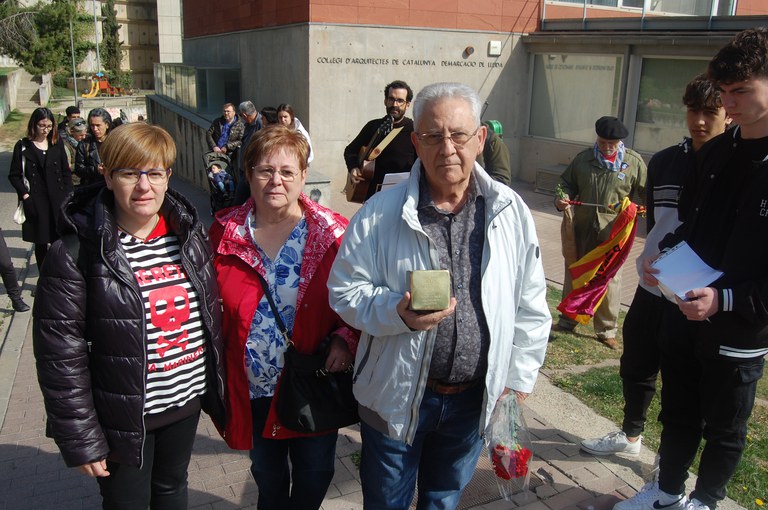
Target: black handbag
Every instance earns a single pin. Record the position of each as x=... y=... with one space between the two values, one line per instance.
x=310 y=398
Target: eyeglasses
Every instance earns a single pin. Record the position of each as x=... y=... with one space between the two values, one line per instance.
x=457 y=138
x=45 y=126
x=131 y=176
x=396 y=101
x=266 y=173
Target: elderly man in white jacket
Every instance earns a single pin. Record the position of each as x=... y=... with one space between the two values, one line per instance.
x=427 y=383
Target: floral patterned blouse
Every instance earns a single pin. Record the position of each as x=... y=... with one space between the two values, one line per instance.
x=265 y=345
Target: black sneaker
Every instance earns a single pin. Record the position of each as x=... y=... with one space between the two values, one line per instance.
x=19 y=305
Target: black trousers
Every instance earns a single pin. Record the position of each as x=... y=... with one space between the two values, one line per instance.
x=640 y=360
x=7 y=270
x=704 y=396
x=161 y=483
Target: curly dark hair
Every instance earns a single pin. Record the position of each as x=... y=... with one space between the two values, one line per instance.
x=399 y=84
x=745 y=57
x=701 y=94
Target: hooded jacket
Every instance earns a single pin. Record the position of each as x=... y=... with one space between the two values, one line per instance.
x=90 y=330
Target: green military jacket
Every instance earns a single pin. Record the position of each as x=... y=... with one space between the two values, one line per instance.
x=587 y=180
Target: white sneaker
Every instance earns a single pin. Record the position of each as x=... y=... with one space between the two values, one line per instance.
x=650 y=497
x=615 y=442
x=695 y=504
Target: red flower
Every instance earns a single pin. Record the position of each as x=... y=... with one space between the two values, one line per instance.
x=510 y=463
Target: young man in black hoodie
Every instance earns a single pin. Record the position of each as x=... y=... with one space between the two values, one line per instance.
x=714 y=341
x=667 y=172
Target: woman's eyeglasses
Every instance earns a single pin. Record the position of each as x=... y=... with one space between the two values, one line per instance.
x=44 y=127
x=131 y=176
x=265 y=173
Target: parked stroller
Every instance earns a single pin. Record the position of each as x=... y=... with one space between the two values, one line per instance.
x=221 y=182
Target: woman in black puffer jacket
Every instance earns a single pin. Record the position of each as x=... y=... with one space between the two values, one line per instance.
x=127 y=330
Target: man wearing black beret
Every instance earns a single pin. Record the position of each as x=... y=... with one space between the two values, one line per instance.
x=603 y=174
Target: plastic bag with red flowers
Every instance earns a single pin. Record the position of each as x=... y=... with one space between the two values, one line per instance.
x=509 y=447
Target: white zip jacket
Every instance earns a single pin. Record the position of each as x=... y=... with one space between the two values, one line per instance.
x=384 y=241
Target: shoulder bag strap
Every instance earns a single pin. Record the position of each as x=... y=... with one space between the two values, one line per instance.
x=23 y=167
x=278 y=319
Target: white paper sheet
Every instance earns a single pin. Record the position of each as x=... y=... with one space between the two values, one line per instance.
x=681 y=270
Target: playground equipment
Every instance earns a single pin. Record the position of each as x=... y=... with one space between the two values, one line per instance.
x=100 y=87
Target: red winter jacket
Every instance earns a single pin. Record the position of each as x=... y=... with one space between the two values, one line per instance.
x=236 y=262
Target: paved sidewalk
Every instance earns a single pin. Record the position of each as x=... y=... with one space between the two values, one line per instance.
x=33 y=476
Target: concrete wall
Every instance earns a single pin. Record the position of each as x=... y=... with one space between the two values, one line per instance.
x=169 y=30
x=348 y=67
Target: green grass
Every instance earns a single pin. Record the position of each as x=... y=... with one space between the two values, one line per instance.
x=62 y=93
x=600 y=389
x=576 y=348
x=13 y=129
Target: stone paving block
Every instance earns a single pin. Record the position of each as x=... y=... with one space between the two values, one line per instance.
x=604 y=484
x=599 y=469
x=333 y=492
x=536 y=505
x=524 y=498
x=247 y=500
x=237 y=465
x=555 y=478
x=551 y=455
x=67 y=484
x=351 y=467
x=349 y=501
x=626 y=492
x=233 y=456
x=582 y=475
x=348 y=487
x=545 y=491
x=602 y=502
x=345 y=448
x=570 y=464
x=202 y=497
x=568 y=498
x=246 y=487
x=204 y=461
x=500 y=504
x=569 y=449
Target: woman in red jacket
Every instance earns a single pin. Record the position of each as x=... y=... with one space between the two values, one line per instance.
x=291 y=241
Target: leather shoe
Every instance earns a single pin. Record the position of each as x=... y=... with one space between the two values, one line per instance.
x=19 y=305
x=611 y=343
x=559 y=328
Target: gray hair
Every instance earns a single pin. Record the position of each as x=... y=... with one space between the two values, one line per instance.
x=247 y=108
x=445 y=90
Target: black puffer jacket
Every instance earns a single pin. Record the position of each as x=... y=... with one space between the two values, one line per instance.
x=90 y=331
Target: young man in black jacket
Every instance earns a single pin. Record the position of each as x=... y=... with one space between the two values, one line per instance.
x=714 y=341
x=667 y=172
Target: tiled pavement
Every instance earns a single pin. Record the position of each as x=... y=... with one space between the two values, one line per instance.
x=33 y=476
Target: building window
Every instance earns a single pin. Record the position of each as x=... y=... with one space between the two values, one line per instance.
x=679 y=7
x=571 y=91
x=660 y=118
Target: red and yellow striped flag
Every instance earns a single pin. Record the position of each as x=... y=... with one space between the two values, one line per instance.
x=592 y=272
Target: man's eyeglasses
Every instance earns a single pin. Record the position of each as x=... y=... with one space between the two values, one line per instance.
x=131 y=176
x=396 y=101
x=457 y=138
x=47 y=127
x=265 y=173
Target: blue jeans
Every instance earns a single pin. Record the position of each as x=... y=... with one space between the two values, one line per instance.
x=444 y=454
x=304 y=484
